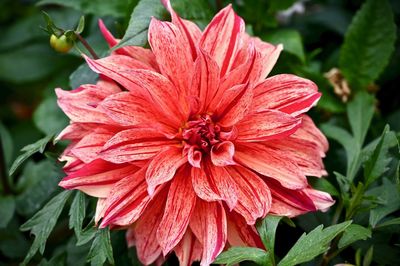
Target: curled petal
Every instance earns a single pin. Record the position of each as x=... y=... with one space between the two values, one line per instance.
x=289 y=201
x=322 y=200
x=89 y=147
x=156 y=88
x=80 y=105
x=222 y=153
x=305 y=154
x=194 y=157
x=100 y=210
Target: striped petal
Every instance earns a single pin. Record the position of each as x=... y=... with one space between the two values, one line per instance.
x=221 y=38
x=166 y=42
x=205 y=80
x=266 y=125
x=272 y=163
x=208 y=223
x=141 y=54
x=213 y=184
x=157 y=89
x=179 y=207
x=240 y=234
x=145 y=230
x=90 y=146
x=98 y=177
x=235 y=105
x=135 y=144
x=126 y=200
x=189 y=30
x=163 y=167
x=188 y=250
x=254 y=196
x=287 y=93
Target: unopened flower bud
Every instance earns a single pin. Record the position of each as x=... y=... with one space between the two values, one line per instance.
x=61 y=44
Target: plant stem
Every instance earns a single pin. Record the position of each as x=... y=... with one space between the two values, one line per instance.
x=3 y=171
x=87 y=46
x=338 y=212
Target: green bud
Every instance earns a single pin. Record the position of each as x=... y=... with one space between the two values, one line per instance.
x=61 y=44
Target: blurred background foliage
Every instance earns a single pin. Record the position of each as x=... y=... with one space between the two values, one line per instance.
x=313 y=33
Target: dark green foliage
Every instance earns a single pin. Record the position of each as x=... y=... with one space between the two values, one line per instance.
x=368 y=44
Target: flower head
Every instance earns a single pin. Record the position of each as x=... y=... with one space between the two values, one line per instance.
x=188 y=143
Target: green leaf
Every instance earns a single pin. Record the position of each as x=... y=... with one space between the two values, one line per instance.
x=101 y=249
x=368 y=43
x=368 y=256
x=77 y=213
x=312 y=244
x=354 y=233
x=235 y=255
x=275 y=5
x=98 y=7
x=267 y=230
x=49 y=118
x=324 y=185
x=43 y=222
x=81 y=25
x=377 y=163
x=349 y=144
x=291 y=40
x=86 y=235
x=38 y=182
x=359 y=112
x=58 y=260
x=388 y=195
x=197 y=11
x=29 y=150
x=394 y=221
x=136 y=33
x=35 y=61
x=82 y=75
x=7 y=208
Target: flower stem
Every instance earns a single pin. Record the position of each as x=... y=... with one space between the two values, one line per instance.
x=87 y=46
x=3 y=172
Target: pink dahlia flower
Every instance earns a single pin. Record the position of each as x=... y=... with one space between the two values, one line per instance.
x=188 y=143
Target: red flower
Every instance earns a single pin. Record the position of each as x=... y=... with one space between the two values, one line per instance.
x=193 y=145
